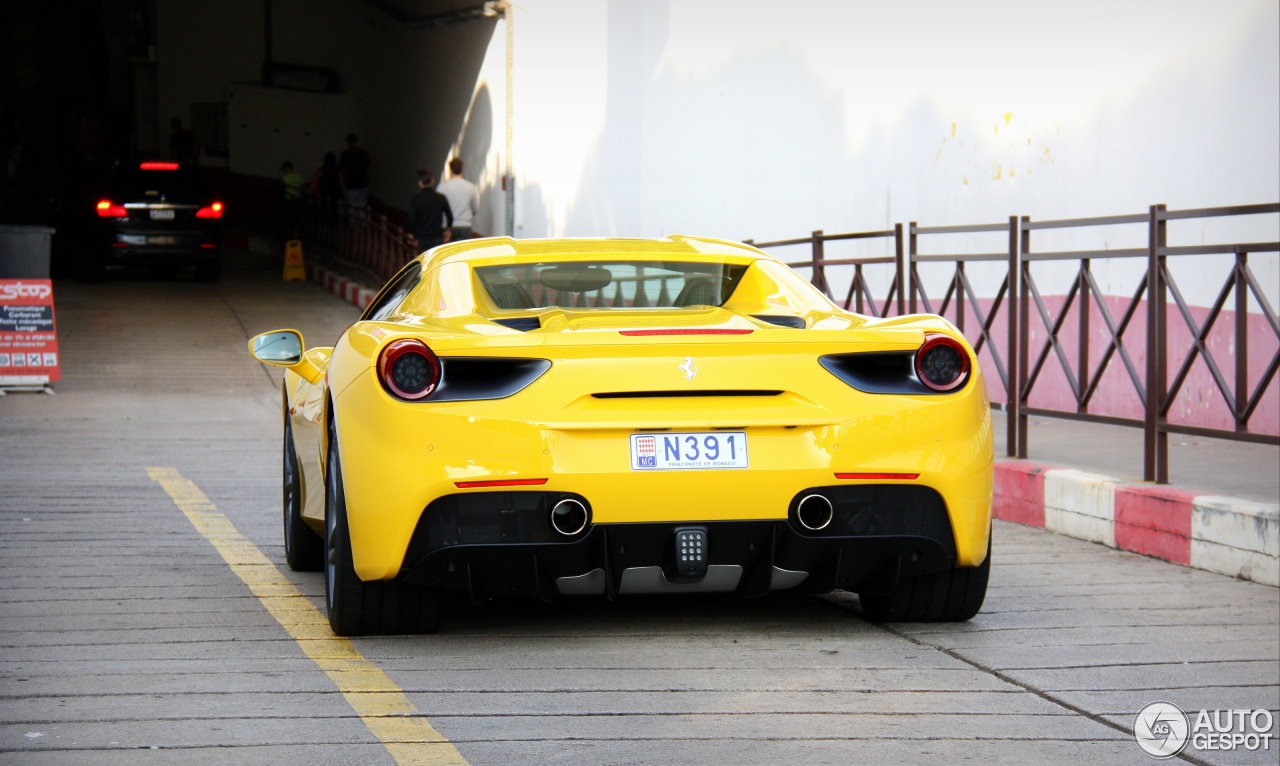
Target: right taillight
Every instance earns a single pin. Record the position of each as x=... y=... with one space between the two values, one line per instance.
x=109 y=209
x=408 y=369
x=210 y=211
x=941 y=363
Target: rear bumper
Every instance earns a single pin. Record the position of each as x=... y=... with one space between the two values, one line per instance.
x=502 y=544
x=399 y=459
x=154 y=247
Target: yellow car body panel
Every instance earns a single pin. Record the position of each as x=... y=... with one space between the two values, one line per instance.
x=399 y=463
x=609 y=374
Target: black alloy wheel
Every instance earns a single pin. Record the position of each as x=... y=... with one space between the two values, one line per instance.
x=356 y=607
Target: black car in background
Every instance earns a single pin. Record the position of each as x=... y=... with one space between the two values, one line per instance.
x=156 y=214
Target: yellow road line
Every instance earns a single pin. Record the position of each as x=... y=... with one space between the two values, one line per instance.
x=408 y=736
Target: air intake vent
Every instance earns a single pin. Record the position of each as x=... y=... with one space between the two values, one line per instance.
x=523 y=324
x=782 y=320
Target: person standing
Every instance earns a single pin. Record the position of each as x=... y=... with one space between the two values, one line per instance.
x=464 y=200
x=430 y=219
x=291 y=182
x=326 y=183
x=353 y=168
x=182 y=142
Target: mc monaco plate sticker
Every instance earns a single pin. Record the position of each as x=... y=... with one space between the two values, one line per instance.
x=704 y=450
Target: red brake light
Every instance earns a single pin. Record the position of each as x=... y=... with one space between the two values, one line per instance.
x=108 y=209
x=941 y=363
x=500 y=483
x=158 y=166
x=880 y=476
x=210 y=211
x=408 y=369
x=687 y=331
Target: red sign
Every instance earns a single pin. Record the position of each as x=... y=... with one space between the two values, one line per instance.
x=28 y=340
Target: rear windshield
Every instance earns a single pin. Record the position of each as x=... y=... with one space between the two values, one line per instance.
x=183 y=184
x=610 y=284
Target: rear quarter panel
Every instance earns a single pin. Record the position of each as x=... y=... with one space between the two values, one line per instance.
x=398 y=457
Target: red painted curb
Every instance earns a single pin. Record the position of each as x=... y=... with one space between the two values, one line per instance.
x=345 y=288
x=1019 y=492
x=1155 y=521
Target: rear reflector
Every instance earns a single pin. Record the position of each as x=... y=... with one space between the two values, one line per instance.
x=690 y=331
x=881 y=476
x=158 y=166
x=500 y=483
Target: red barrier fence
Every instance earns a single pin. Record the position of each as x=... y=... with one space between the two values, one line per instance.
x=359 y=238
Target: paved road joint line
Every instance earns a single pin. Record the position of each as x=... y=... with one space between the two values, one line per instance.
x=383 y=707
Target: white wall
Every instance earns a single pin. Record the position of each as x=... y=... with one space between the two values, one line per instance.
x=748 y=118
x=758 y=119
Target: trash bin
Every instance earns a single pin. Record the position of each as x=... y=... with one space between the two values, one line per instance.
x=24 y=252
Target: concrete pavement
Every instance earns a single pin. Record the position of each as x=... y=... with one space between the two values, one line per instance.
x=125 y=638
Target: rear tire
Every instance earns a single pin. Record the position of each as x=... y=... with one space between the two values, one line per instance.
x=165 y=272
x=208 y=271
x=303 y=548
x=954 y=595
x=356 y=607
x=90 y=267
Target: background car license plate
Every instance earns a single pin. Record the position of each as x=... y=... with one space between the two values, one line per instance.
x=703 y=450
x=162 y=215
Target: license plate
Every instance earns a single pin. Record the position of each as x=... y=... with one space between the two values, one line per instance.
x=162 y=240
x=162 y=215
x=706 y=450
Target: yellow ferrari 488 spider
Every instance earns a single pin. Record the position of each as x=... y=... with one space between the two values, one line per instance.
x=573 y=417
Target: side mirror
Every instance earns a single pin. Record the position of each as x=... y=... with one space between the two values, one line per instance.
x=282 y=348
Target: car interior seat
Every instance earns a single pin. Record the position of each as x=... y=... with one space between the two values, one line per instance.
x=699 y=291
x=510 y=295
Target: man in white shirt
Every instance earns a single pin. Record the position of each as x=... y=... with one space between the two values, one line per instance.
x=464 y=200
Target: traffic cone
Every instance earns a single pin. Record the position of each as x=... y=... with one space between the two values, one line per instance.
x=293 y=264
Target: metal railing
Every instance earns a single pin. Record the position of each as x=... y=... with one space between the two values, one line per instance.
x=358 y=238
x=1005 y=317
x=1012 y=312
x=1157 y=284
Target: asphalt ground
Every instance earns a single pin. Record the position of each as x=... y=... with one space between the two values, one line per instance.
x=147 y=616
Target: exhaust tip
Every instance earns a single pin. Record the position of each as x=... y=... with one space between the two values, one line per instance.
x=814 y=512
x=569 y=517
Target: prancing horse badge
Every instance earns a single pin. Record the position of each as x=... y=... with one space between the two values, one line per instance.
x=689 y=369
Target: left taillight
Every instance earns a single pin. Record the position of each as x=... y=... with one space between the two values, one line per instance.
x=210 y=211
x=109 y=209
x=942 y=363
x=408 y=369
